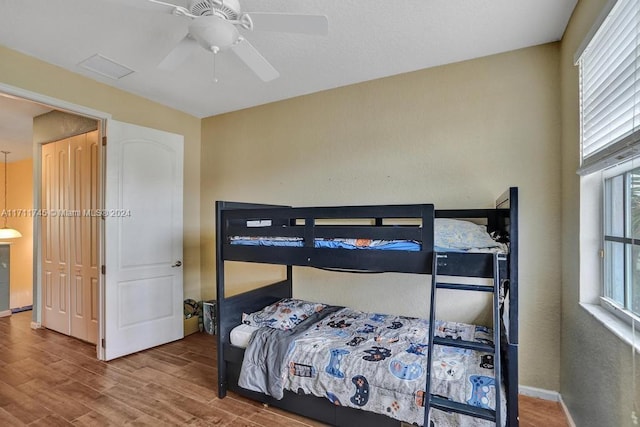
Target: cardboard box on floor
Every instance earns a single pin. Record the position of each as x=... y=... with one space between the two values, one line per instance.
x=191 y=325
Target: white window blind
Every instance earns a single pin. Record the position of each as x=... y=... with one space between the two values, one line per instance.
x=610 y=89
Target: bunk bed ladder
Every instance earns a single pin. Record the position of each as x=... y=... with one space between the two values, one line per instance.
x=447 y=405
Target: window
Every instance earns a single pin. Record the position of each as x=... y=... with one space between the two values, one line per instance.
x=622 y=240
x=609 y=65
x=610 y=89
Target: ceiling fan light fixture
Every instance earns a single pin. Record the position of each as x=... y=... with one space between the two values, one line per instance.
x=212 y=31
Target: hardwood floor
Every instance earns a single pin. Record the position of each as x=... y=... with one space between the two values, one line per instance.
x=48 y=379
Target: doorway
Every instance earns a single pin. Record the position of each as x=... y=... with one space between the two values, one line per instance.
x=141 y=232
x=28 y=127
x=16 y=293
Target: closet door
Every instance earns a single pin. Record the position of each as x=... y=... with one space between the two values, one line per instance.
x=83 y=235
x=55 y=276
x=70 y=235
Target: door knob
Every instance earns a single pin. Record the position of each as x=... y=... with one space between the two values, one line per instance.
x=177 y=264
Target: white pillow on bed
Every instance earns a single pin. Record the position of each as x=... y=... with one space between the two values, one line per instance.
x=284 y=314
x=458 y=234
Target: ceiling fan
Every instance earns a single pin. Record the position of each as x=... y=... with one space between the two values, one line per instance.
x=214 y=26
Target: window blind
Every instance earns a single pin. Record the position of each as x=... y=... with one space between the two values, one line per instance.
x=610 y=90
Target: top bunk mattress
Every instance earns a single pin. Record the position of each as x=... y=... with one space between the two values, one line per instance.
x=450 y=235
x=337 y=243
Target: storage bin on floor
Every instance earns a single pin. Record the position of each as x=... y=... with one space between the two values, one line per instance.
x=209 y=316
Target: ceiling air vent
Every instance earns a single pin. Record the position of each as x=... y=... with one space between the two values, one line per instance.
x=105 y=67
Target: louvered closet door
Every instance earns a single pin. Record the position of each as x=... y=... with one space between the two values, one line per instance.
x=55 y=265
x=83 y=235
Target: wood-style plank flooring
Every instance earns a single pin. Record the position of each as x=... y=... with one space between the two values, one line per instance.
x=48 y=379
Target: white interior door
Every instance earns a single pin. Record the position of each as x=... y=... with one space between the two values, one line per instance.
x=143 y=296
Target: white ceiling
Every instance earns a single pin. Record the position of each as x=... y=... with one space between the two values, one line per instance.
x=16 y=127
x=368 y=39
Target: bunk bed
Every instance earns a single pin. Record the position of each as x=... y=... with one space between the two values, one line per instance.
x=398 y=238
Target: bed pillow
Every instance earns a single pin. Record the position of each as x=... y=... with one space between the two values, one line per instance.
x=458 y=234
x=284 y=314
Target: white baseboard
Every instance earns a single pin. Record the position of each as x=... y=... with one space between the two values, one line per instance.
x=5 y=313
x=36 y=325
x=551 y=395
x=539 y=393
x=567 y=413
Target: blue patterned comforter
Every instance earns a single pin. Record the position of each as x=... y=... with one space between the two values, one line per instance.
x=374 y=362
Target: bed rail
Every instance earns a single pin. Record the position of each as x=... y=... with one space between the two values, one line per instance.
x=389 y=223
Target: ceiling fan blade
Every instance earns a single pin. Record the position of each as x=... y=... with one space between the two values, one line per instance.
x=179 y=54
x=290 y=23
x=255 y=60
x=169 y=7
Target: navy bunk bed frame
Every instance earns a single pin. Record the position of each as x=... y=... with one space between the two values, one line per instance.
x=283 y=221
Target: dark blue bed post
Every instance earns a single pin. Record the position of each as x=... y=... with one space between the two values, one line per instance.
x=228 y=309
x=512 y=345
x=220 y=305
x=509 y=200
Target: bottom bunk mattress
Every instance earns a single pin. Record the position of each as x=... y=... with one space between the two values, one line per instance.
x=374 y=362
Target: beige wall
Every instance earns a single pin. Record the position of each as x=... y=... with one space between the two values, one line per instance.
x=456 y=135
x=19 y=202
x=596 y=365
x=24 y=72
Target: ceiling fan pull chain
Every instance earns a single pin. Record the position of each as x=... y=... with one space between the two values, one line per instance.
x=215 y=50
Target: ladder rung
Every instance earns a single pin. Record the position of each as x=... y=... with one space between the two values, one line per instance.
x=462 y=408
x=471 y=345
x=464 y=287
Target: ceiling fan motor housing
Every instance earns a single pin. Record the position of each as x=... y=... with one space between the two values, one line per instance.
x=227 y=9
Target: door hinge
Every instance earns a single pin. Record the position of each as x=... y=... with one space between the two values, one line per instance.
x=103 y=343
x=602 y=253
x=104 y=140
x=103 y=269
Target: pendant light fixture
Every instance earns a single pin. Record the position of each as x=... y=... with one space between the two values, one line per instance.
x=6 y=232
